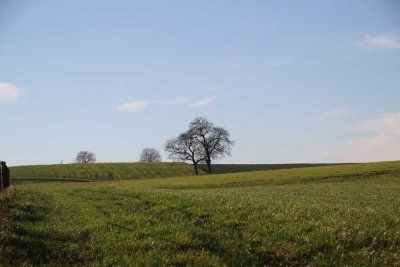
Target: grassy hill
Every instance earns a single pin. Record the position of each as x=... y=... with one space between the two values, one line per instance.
x=231 y=168
x=345 y=215
x=124 y=171
x=98 y=171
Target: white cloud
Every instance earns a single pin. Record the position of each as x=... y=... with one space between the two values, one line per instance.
x=202 y=102
x=138 y=105
x=332 y=114
x=374 y=148
x=8 y=92
x=382 y=144
x=381 y=42
x=132 y=106
x=387 y=125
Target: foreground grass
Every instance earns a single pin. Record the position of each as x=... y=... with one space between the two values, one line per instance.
x=98 y=171
x=5 y=200
x=335 y=216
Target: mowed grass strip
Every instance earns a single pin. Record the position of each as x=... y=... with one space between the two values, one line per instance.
x=326 y=216
x=99 y=171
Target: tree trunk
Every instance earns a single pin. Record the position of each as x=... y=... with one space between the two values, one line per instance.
x=208 y=161
x=195 y=168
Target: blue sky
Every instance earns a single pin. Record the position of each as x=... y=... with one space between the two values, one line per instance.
x=294 y=81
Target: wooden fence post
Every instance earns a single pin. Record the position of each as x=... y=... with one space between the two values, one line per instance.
x=4 y=176
x=6 y=181
x=1 y=175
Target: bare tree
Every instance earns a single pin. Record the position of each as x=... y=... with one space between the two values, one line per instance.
x=185 y=148
x=215 y=141
x=85 y=157
x=150 y=155
x=203 y=142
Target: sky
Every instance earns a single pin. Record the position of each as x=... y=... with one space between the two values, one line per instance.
x=293 y=81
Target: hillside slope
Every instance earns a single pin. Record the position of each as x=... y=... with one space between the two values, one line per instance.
x=231 y=168
x=99 y=171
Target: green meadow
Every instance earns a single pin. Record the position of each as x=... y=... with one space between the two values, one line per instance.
x=127 y=171
x=230 y=168
x=99 y=171
x=344 y=215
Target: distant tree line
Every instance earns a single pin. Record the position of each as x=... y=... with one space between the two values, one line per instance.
x=201 y=143
x=147 y=155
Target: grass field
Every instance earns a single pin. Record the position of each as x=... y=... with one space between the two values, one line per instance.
x=231 y=168
x=99 y=171
x=347 y=215
x=128 y=171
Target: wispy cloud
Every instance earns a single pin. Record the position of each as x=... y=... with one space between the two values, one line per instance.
x=388 y=125
x=134 y=106
x=9 y=92
x=380 y=140
x=202 y=102
x=332 y=114
x=380 y=42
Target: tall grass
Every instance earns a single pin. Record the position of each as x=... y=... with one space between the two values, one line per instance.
x=5 y=200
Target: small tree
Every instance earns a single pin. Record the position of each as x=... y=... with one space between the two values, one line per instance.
x=215 y=141
x=185 y=148
x=85 y=157
x=150 y=155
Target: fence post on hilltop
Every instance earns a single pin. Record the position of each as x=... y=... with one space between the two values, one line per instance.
x=1 y=175
x=4 y=176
